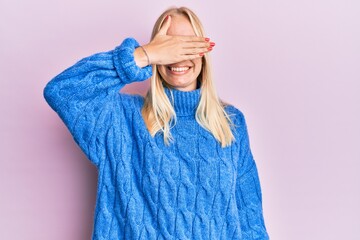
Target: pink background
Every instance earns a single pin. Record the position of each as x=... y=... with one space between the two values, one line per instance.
x=292 y=67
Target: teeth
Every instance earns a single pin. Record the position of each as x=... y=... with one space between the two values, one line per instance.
x=179 y=69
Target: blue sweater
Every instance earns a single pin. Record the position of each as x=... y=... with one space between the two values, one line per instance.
x=192 y=189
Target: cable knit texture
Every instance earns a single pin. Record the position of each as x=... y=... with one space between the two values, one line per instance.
x=192 y=189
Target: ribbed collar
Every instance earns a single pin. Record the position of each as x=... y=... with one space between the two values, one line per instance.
x=184 y=102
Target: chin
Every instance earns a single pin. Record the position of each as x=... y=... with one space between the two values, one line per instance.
x=190 y=85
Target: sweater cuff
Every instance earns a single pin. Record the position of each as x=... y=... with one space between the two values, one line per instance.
x=125 y=64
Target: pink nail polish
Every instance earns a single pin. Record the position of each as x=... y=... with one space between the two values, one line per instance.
x=207 y=39
x=201 y=54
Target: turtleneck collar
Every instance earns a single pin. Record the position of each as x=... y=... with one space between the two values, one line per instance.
x=184 y=102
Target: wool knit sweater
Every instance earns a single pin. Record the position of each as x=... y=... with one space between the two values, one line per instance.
x=191 y=189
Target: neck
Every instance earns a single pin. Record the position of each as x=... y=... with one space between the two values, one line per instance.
x=184 y=102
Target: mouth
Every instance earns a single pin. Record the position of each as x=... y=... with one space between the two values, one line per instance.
x=178 y=70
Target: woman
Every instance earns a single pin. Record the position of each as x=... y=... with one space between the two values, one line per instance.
x=174 y=165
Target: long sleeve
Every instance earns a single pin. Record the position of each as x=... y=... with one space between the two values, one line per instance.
x=248 y=191
x=86 y=96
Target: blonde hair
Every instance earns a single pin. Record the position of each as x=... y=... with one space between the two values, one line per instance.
x=210 y=114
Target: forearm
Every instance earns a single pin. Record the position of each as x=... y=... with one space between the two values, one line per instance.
x=97 y=74
x=248 y=190
x=249 y=201
x=86 y=95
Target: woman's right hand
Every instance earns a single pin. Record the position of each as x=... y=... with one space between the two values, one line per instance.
x=165 y=49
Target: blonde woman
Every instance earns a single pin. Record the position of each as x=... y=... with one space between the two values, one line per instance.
x=175 y=164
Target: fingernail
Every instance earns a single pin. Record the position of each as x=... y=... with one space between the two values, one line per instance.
x=207 y=39
x=210 y=48
x=212 y=44
x=201 y=54
x=167 y=16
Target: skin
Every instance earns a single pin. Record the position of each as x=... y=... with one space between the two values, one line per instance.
x=176 y=46
x=184 y=80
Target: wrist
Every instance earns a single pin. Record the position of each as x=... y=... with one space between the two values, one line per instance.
x=140 y=57
x=125 y=64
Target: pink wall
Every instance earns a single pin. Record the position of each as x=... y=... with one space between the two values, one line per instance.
x=291 y=66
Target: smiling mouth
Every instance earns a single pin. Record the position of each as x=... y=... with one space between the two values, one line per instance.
x=178 y=69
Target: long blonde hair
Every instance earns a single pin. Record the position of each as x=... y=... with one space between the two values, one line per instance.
x=210 y=114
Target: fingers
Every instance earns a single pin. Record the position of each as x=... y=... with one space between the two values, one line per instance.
x=193 y=39
x=193 y=50
x=192 y=56
x=165 y=26
x=166 y=49
x=198 y=45
x=193 y=53
x=197 y=48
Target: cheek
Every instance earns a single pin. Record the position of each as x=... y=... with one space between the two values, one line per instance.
x=162 y=71
x=198 y=65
